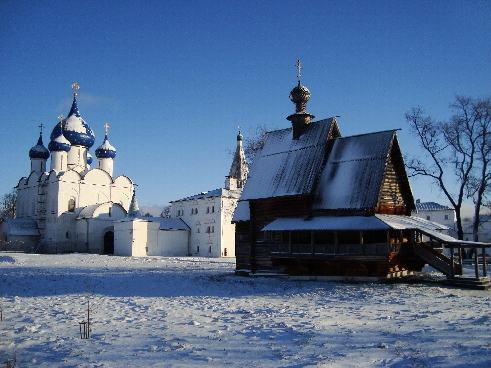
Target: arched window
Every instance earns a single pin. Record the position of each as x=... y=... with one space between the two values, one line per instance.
x=71 y=205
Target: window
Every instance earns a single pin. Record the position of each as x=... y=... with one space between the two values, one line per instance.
x=210 y=249
x=198 y=230
x=197 y=249
x=207 y=209
x=213 y=229
x=446 y=217
x=71 y=205
x=207 y=229
x=428 y=218
x=225 y=252
x=212 y=209
x=110 y=211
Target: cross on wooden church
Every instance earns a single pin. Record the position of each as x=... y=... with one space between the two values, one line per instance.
x=299 y=66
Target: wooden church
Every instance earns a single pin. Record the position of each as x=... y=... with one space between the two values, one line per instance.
x=317 y=204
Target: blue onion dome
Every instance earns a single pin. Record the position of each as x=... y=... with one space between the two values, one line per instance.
x=75 y=129
x=105 y=150
x=39 y=151
x=90 y=159
x=58 y=141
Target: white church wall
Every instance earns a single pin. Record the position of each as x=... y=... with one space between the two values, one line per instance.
x=172 y=243
x=130 y=238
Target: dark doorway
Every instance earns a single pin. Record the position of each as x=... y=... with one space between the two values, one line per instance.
x=109 y=242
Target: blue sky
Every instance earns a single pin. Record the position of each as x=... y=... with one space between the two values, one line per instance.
x=175 y=79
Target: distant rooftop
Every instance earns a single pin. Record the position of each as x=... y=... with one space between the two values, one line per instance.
x=431 y=206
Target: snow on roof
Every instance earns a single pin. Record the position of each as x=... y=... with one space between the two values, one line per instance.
x=19 y=227
x=352 y=176
x=328 y=223
x=431 y=206
x=168 y=223
x=88 y=211
x=221 y=192
x=287 y=166
x=359 y=223
x=241 y=212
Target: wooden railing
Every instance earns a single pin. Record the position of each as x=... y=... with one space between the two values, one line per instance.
x=375 y=249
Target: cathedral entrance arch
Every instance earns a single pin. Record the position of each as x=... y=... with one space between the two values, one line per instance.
x=109 y=242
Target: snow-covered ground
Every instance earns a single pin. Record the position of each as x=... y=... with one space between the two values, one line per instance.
x=187 y=312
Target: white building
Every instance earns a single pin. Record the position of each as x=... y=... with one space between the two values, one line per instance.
x=438 y=213
x=72 y=206
x=209 y=214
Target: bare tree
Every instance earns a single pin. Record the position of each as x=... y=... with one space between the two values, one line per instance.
x=166 y=212
x=255 y=142
x=458 y=153
x=8 y=204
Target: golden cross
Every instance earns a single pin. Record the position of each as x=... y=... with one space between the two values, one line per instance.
x=107 y=127
x=61 y=119
x=299 y=66
x=75 y=87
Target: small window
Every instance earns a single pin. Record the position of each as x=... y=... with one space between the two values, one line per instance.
x=67 y=235
x=213 y=229
x=195 y=211
x=225 y=252
x=207 y=229
x=446 y=217
x=210 y=249
x=207 y=209
x=198 y=230
x=71 y=205
x=428 y=218
x=197 y=249
x=110 y=211
x=212 y=209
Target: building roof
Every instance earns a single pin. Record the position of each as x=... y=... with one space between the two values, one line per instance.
x=287 y=166
x=353 y=174
x=22 y=227
x=221 y=192
x=431 y=206
x=241 y=212
x=168 y=223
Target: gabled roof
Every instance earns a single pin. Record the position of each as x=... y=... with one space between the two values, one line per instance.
x=287 y=166
x=353 y=174
x=431 y=206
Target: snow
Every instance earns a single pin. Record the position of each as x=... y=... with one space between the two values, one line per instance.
x=185 y=312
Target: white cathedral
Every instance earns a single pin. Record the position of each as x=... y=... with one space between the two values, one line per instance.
x=76 y=208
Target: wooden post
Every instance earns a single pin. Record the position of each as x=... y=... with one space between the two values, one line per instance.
x=476 y=263
x=484 y=266
x=452 y=260
x=312 y=241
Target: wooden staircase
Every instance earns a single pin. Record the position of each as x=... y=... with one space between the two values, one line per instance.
x=481 y=283
x=437 y=260
x=444 y=264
